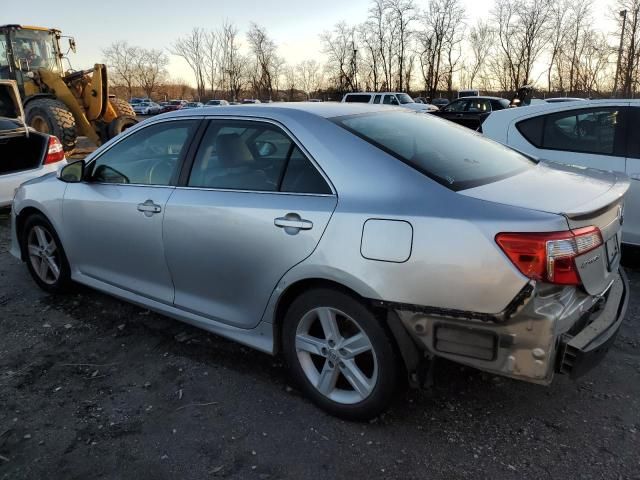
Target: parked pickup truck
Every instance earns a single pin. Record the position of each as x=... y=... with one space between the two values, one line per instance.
x=24 y=153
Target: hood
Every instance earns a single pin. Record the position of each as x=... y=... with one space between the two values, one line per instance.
x=556 y=188
x=11 y=113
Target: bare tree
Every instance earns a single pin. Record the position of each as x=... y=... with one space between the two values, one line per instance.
x=122 y=61
x=263 y=50
x=402 y=13
x=480 y=42
x=441 y=21
x=192 y=48
x=629 y=74
x=340 y=48
x=212 y=60
x=522 y=34
x=308 y=74
x=291 y=79
x=151 y=69
x=233 y=71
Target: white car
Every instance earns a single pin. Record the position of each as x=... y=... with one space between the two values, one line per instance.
x=24 y=153
x=146 y=108
x=397 y=99
x=593 y=134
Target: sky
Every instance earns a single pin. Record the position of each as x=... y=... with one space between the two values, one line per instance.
x=295 y=25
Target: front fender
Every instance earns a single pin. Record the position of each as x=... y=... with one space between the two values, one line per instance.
x=43 y=194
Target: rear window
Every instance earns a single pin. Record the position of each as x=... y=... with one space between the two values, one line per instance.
x=454 y=156
x=357 y=98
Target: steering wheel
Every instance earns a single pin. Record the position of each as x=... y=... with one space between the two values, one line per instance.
x=162 y=170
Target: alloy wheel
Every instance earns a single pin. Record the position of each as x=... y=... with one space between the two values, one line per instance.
x=336 y=355
x=43 y=254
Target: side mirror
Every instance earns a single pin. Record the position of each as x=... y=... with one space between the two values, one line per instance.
x=72 y=173
x=265 y=148
x=72 y=44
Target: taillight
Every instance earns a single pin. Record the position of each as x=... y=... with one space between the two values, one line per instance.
x=55 y=152
x=550 y=256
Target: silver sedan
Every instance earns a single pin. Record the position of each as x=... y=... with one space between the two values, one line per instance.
x=360 y=241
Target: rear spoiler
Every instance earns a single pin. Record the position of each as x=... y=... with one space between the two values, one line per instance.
x=602 y=203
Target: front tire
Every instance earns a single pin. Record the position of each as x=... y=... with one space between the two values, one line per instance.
x=339 y=354
x=49 y=115
x=46 y=259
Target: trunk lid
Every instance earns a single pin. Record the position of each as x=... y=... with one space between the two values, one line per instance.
x=585 y=197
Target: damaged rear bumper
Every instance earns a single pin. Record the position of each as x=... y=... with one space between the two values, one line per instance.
x=583 y=348
x=554 y=331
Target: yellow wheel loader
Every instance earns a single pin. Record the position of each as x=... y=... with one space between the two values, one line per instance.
x=68 y=103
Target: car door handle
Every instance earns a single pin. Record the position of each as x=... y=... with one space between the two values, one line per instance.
x=291 y=221
x=149 y=208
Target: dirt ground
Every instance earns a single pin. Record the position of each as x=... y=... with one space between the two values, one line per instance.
x=91 y=387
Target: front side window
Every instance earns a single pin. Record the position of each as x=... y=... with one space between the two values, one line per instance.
x=254 y=156
x=456 y=107
x=404 y=98
x=149 y=156
x=390 y=100
x=479 y=106
x=454 y=156
x=376 y=99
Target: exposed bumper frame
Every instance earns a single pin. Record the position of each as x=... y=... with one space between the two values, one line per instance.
x=579 y=353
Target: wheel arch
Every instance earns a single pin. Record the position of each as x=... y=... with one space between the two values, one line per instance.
x=21 y=219
x=407 y=350
x=37 y=96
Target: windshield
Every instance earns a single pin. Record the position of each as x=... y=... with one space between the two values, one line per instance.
x=454 y=156
x=34 y=49
x=175 y=102
x=404 y=98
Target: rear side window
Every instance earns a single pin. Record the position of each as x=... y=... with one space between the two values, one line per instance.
x=454 y=156
x=595 y=131
x=357 y=98
x=376 y=99
x=302 y=177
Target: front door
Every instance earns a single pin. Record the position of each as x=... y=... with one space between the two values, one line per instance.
x=113 y=220
x=253 y=207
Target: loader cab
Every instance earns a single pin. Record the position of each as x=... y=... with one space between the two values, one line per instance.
x=27 y=49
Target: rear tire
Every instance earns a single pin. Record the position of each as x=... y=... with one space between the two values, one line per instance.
x=46 y=259
x=49 y=115
x=122 y=107
x=351 y=373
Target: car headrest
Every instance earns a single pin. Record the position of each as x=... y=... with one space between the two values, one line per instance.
x=232 y=151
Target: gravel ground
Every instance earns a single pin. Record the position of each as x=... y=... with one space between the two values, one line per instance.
x=91 y=387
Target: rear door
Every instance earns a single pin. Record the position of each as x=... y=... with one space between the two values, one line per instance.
x=589 y=137
x=631 y=228
x=251 y=206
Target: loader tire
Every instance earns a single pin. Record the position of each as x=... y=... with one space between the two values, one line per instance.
x=119 y=125
x=48 y=115
x=122 y=107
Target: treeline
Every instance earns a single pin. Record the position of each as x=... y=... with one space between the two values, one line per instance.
x=553 y=45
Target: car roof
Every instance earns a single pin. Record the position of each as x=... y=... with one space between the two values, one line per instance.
x=373 y=93
x=320 y=109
